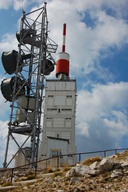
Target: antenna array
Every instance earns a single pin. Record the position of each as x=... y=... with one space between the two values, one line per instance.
x=25 y=90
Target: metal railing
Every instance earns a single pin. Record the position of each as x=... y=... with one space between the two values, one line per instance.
x=102 y=153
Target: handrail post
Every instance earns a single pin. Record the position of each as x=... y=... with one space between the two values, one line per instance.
x=79 y=157
x=105 y=154
x=46 y=163
x=12 y=174
x=35 y=168
x=58 y=161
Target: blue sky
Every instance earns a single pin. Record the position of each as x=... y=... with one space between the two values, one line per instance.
x=97 y=41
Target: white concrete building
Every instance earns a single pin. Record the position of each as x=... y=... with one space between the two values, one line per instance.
x=59 y=120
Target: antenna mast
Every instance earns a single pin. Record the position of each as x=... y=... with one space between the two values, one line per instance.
x=64 y=37
x=62 y=67
x=25 y=90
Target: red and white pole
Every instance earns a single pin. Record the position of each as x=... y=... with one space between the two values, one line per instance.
x=64 y=37
x=62 y=64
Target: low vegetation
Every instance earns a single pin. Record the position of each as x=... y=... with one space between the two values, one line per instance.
x=5 y=184
x=122 y=156
x=57 y=174
x=89 y=161
x=66 y=169
x=49 y=170
x=30 y=177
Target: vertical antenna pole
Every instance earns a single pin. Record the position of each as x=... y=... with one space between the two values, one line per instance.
x=64 y=37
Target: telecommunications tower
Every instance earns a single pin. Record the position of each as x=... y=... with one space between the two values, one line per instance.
x=58 y=136
x=24 y=89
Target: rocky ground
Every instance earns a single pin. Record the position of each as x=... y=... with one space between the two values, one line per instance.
x=94 y=174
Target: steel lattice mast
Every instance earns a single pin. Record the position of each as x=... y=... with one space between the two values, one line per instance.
x=34 y=62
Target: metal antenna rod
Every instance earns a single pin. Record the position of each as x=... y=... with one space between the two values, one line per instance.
x=64 y=37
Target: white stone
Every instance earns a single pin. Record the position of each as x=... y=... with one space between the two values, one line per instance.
x=84 y=170
x=78 y=168
x=94 y=165
x=75 y=180
x=93 y=172
x=105 y=165
x=71 y=172
x=126 y=172
x=116 y=173
x=25 y=188
x=15 y=178
x=124 y=164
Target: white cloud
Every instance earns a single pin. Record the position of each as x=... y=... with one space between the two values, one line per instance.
x=102 y=98
x=5 y=4
x=8 y=42
x=83 y=127
x=17 y=4
x=104 y=112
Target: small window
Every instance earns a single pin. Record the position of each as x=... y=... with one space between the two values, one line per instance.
x=55 y=152
x=49 y=117
x=69 y=96
x=50 y=95
x=51 y=109
x=66 y=109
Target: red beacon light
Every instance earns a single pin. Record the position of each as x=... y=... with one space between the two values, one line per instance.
x=62 y=66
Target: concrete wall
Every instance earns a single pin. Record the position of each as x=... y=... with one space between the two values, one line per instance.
x=59 y=114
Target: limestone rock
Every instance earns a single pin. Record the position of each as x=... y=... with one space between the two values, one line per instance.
x=124 y=165
x=76 y=190
x=84 y=170
x=75 y=180
x=58 y=178
x=25 y=188
x=125 y=172
x=94 y=172
x=105 y=165
x=117 y=166
x=116 y=173
x=71 y=172
x=94 y=165
x=78 y=170
x=15 y=178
